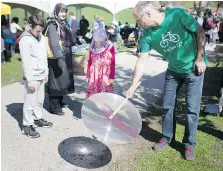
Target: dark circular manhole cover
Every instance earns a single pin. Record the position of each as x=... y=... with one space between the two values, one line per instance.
x=84 y=152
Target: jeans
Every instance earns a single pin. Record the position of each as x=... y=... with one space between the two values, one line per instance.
x=8 y=51
x=208 y=38
x=2 y=57
x=214 y=37
x=194 y=85
x=14 y=43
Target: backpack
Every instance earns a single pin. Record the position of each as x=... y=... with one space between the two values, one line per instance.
x=48 y=47
x=209 y=23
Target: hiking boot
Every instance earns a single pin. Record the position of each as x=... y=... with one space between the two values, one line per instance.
x=161 y=145
x=43 y=123
x=30 y=132
x=189 y=153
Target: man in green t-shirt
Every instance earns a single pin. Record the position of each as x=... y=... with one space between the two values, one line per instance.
x=180 y=39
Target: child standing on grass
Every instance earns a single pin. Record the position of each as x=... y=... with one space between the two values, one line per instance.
x=214 y=34
x=2 y=51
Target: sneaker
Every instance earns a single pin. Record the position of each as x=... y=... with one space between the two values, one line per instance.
x=189 y=153
x=43 y=123
x=30 y=132
x=161 y=145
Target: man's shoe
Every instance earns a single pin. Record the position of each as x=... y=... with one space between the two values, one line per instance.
x=43 y=123
x=189 y=153
x=161 y=145
x=30 y=132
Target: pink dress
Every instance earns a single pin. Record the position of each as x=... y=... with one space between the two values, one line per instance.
x=101 y=68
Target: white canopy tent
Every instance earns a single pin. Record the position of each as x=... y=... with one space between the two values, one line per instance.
x=113 y=6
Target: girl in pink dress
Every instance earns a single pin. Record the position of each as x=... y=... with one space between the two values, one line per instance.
x=101 y=63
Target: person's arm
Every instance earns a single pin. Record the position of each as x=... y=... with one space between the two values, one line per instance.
x=25 y=51
x=89 y=66
x=54 y=44
x=18 y=27
x=200 y=42
x=112 y=73
x=200 y=63
x=46 y=73
x=218 y=26
x=192 y=25
x=138 y=73
x=87 y=23
x=140 y=64
x=139 y=68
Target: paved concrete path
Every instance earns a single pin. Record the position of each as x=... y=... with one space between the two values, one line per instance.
x=20 y=153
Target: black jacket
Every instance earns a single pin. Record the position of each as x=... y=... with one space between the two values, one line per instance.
x=61 y=80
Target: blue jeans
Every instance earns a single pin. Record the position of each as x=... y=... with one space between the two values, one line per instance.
x=214 y=37
x=14 y=43
x=194 y=85
x=2 y=57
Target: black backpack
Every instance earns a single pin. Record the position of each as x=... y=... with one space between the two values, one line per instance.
x=208 y=22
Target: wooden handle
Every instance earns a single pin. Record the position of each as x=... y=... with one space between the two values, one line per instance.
x=123 y=103
x=137 y=86
x=118 y=108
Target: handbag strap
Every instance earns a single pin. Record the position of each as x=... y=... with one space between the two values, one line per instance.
x=58 y=30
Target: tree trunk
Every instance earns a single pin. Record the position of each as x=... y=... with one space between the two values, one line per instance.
x=219 y=4
x=201 y=5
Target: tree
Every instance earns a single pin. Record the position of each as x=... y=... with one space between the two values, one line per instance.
x=201 y=5
x=197 y=5
x=219 y=4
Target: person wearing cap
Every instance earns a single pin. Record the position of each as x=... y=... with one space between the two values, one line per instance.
x=112 y=34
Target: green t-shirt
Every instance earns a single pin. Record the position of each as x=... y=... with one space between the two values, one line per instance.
x=175 y=39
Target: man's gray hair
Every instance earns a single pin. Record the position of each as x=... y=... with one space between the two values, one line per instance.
x=143 y=6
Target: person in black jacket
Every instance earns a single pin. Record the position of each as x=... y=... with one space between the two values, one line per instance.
x=61 y=80
x=112 y=35
x=84 y=24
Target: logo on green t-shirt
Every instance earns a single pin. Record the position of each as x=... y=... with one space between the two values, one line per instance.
x=167 y=38
x=175 y=39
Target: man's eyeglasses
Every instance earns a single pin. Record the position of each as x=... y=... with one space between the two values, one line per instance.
x=137 y=21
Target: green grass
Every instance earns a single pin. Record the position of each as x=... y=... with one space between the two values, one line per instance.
x=11 y=72
x=209 y=150
x=209 y=154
